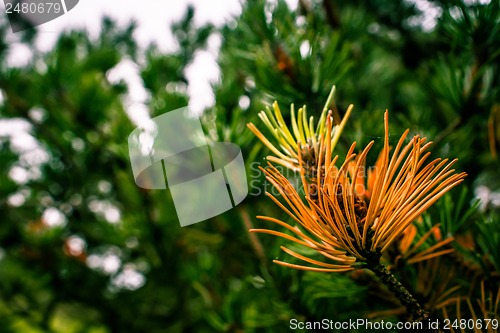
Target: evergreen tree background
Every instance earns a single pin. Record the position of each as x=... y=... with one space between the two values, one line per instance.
x=145 y=273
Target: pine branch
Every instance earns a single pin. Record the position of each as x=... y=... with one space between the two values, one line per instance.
x=416 y=312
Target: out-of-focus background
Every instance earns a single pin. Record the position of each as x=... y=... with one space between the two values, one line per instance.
x=83 y=249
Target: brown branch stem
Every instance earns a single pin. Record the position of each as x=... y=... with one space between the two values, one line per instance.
x=415 y=310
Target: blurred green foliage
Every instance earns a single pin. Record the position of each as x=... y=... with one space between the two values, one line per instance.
x=114 y=258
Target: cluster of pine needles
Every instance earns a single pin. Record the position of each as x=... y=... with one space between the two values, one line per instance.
x=356 y=217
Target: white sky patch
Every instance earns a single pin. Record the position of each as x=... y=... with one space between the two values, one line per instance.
x=37 y=115
x=305 y=49
x=137 y=96
x=53 y=217
x=429 y=17
x=34 y=158
x=16 y=199
x=203 y=72
x=244 y=102
x=487 y=197
x=76 y=245
x=106 y=210
x=473 y=2
x=9 y=127
x=154 y=19
x=128 y=71
x=200 y=73
x=19 y=55
x=21 y=141
x=31 y=154
x=129 y=278
x=108 y=262
x=112 y=214
x=19 y=175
